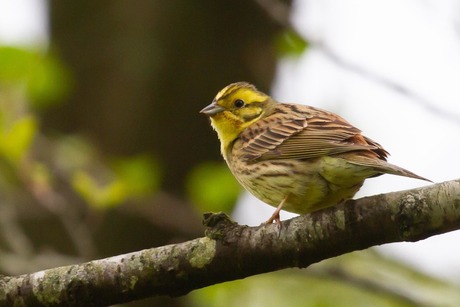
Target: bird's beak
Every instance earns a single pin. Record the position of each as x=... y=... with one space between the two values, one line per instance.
x=212 y=109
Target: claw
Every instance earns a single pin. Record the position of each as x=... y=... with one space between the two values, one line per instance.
x=275 y=217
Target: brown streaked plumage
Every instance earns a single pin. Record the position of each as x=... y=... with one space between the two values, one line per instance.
x=295 y=157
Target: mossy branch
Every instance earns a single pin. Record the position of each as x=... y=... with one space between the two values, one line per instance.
x=230 y=251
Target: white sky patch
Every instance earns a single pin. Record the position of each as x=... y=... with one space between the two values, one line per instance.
x=23 y=22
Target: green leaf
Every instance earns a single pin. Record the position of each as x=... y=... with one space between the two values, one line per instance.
x=45 y=78
x=212 y=187
x=129 y=178
x=290 y=43
x=96 y=194
x=290 y=288
x=48 y=82
x=140 y=175
x=15 y=64
x=15 y=140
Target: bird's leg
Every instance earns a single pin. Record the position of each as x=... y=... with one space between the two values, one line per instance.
x=276 y=215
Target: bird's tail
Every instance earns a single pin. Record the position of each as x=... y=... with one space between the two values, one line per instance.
x=384 y=167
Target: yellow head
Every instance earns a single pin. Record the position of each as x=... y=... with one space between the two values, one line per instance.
x=234 y=108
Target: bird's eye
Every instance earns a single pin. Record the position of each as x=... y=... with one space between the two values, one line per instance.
x=238 y=103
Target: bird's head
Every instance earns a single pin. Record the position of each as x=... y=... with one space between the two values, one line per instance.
x=236 y=107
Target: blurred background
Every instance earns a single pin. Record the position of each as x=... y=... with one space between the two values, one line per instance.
x=103 y=151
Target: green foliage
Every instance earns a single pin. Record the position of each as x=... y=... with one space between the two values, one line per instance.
x=290 y=43
x=363 y=278
x=288 y=288
x=140 y=175
x=28 y=79
x=15 y=139
x=25 y=76
x=211 y=187
x=97 y=194
x=43 y=77
x=130 y=178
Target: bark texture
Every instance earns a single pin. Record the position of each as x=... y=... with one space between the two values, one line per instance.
x=230 y=251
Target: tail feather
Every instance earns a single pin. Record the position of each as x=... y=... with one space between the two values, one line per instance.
x=387 y=168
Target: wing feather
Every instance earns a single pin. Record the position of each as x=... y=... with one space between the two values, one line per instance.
x=303 y=132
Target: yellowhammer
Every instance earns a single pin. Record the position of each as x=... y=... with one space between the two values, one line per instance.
x=293 y=157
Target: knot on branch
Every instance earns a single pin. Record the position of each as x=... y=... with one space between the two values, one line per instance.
x=218 y=225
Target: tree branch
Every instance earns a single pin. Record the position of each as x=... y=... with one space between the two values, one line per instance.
x=230 y=251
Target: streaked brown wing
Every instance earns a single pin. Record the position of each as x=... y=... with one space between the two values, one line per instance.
x=302 y=132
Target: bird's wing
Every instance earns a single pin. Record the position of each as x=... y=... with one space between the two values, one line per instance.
x=303 y=132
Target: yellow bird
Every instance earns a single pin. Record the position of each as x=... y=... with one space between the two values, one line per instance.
x=294 y=157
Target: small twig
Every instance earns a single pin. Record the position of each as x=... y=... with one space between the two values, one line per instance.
x=12 y=233
x=405 y=91
x=69 y=216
